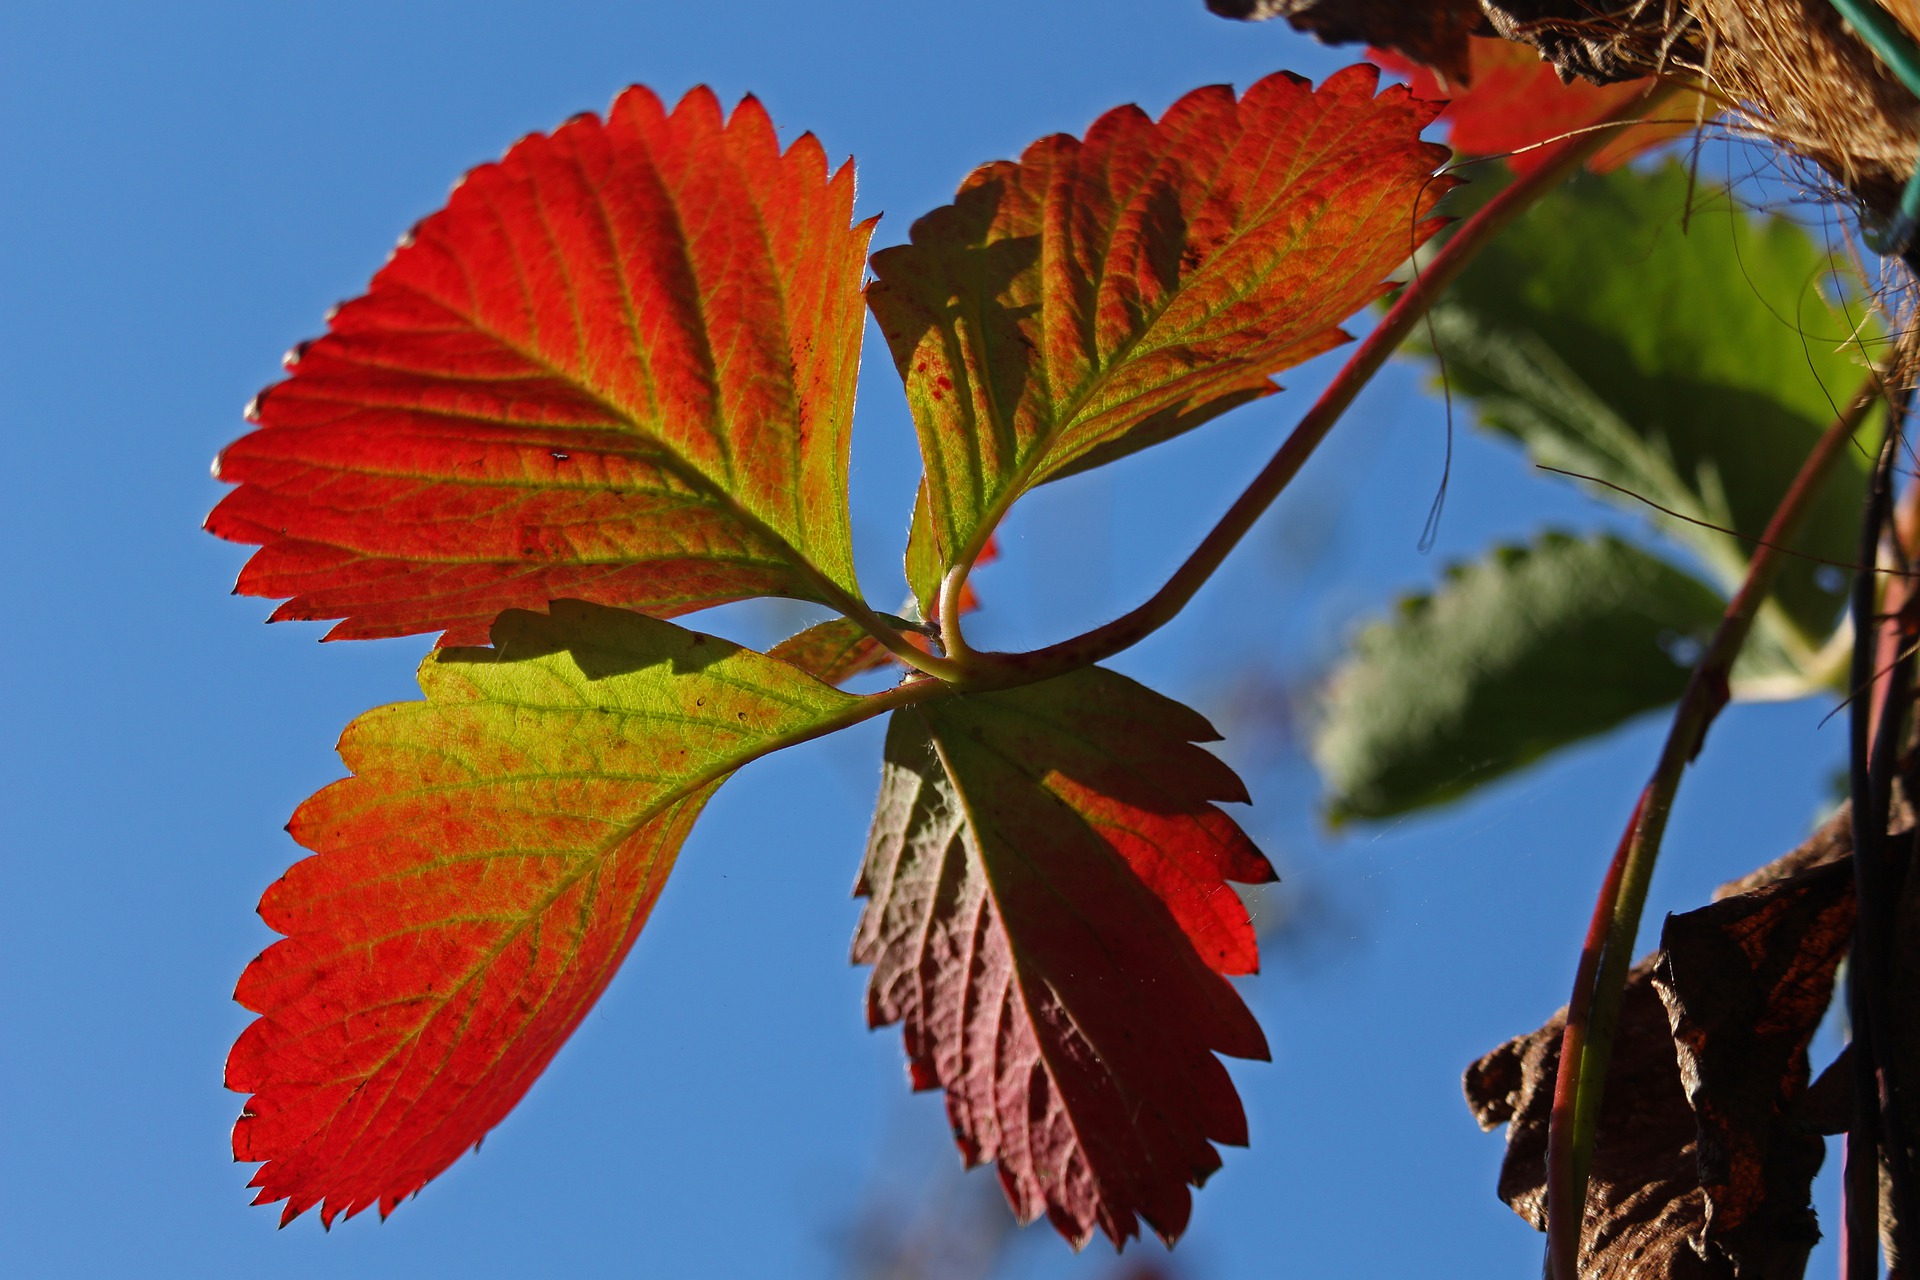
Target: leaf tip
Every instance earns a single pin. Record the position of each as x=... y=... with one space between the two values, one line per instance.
x=702 y=105
x=1355 y=77
x=636 y=100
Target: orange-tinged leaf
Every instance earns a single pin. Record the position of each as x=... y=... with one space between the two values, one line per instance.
x=1098 y=296
x=618 y=366
x=1513 y=100
x=476 y=882
x=836 y=650
x=923 y=558
x=1049 y=918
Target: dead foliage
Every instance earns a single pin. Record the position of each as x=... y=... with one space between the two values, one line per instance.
x=1788 y=70
x=1709 y=1134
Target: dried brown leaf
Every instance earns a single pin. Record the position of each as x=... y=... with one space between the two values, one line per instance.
x=1644 y=1204
x=1705 y=1158
x=1434 y=32
x=1746 y=982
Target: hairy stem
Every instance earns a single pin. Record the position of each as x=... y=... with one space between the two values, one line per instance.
x=996 y=669
x=952 y=638
x=1593 y=1012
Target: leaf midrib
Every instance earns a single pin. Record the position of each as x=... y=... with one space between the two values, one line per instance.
x=973 y=844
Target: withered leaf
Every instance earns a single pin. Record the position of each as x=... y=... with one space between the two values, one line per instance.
x=1434 y=32
x=1644 y=1202
x=1599 y=40
x=1746 y=982
x=1832 y=842
x=1704 y=1163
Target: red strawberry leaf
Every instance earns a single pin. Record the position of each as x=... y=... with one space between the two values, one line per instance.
x=1049 y=918
x=475 y=884
x=618 y=365
x=1098 y=296
x=1511 y=100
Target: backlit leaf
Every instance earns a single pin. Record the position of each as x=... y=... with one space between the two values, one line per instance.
x=1050 y=918
x=1693 y=366
x=618 y=366
x=835 y=651
x=1510 y=100
x=476 y=882
x=923 y=565
x=1098 y=296
x=1510 y=658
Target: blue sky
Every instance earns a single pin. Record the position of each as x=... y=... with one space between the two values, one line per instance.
x=188 y=188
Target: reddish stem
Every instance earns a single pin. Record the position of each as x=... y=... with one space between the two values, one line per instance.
x=1593 y=1010
x=1562 y=1176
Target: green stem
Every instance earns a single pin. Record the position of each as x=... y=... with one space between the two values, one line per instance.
x=905 y=694
x=999 y=669
x=1593 y=1013
x=952 y=638
x=909 y=692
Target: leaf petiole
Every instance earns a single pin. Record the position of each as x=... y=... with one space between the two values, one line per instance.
x=952 y=638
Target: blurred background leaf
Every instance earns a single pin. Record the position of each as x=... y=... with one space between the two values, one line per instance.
x=1514 y=655
x=1692 y=361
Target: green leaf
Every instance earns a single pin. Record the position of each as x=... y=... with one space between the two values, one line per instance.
x=1515 y=655
x=1693 y=366
x=923 y=558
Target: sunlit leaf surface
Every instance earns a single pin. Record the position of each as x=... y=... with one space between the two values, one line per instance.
x=1100 y=295
x=1049 y=919
x=618 y=366
x=1691 y=361
x=475 y=883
